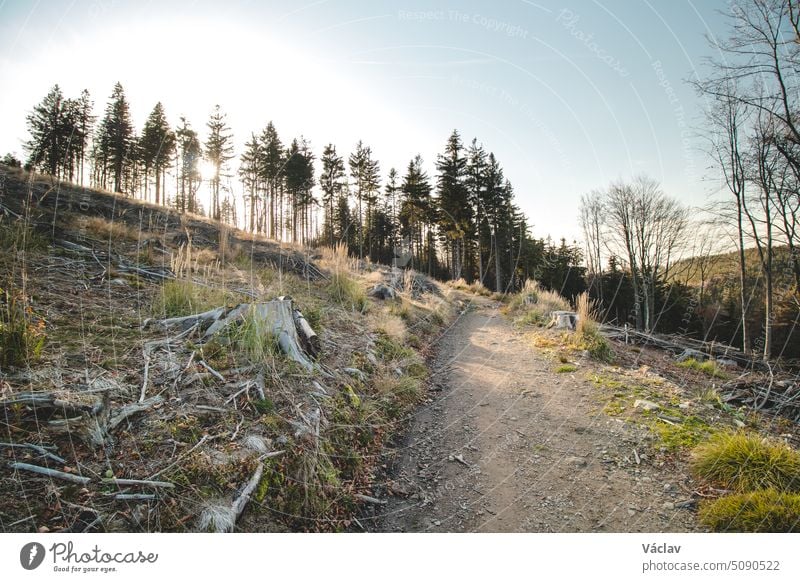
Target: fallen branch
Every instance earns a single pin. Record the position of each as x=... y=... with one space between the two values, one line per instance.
x=50 y=473
x=55 y=400
x=199 y=319
x=139 y=482
x=212 y=371
x=241 y=502
x=368 y=499
x=130 y=409
x=183 y=455
x=41 y=450
x=134 y=496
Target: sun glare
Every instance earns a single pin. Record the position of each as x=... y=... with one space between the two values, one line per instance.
x=207 y=170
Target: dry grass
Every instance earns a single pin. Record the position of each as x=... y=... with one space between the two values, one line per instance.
x=343 y=288
x=389 y=324
x=476 y=287
x=585 y=308
x=181 y=297
x=534 y=297
x=105 y=229
x=188 y=260
x=587 y=333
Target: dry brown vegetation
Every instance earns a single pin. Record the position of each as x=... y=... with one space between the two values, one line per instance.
x=317 y=436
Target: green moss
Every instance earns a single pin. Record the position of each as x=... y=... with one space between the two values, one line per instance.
x=685 y=433
x=566 y=368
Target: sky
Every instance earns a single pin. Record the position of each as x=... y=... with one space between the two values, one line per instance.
x=569 y=95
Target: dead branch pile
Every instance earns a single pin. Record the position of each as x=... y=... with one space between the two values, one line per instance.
x=681 y=344
x=764 y=393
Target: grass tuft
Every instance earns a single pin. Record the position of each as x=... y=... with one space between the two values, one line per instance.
x=743 y=462
x=566 y=368
x=759 y=511
x=22 y=335
x=587 y=332
x=180 y=297
x=709 y=367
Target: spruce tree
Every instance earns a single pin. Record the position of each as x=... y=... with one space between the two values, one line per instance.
x=117 y=137
x=218 y=151
x=331 y=181
x=271 y=170
x=453 y=204
x=189 y=155
x=157 y=147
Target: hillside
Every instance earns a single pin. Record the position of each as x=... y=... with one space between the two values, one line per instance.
x=158 y=427
x=162 y=372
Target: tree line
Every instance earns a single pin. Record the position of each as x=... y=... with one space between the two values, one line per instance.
x=654 y=267
x=463 y=222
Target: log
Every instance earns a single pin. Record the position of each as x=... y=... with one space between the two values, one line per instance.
x=309 y=337
x=368 y=499
x=235 y=315
x=50 y=473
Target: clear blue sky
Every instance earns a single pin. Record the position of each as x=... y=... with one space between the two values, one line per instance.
x=569 y=95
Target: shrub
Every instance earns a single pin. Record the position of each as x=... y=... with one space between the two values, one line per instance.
x=759 y=511
x=744 y=462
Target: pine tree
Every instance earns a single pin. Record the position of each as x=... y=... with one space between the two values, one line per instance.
x=219 y=151
x=299 y=179
x=84 y=121
x=366 y=176
x=391 y=191
x=478 y=243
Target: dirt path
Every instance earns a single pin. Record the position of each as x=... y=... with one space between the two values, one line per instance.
x=508 y=445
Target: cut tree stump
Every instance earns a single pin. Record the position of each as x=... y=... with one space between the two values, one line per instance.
x=563 y=320
x=278 y=317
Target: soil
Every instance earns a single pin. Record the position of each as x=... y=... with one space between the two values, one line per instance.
x=506 y=444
